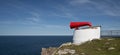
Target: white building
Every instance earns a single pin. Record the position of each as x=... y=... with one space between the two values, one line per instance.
x=86 y=34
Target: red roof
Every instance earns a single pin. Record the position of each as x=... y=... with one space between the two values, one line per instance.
x=79 y=24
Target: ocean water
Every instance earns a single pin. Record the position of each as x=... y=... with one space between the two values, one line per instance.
x=29 y=45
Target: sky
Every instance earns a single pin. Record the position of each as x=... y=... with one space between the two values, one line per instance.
x=52 y=17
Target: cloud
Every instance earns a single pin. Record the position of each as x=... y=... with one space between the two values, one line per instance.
x=63 y=11
x=75 y=2
x=66 y=15
x=107 y=7
x=55 y=26
x=32 y=15
x=35 y=17
x=6 y=22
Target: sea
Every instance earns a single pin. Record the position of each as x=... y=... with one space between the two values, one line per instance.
x=29 y=45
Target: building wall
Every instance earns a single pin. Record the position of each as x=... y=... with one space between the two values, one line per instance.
x=86 y=34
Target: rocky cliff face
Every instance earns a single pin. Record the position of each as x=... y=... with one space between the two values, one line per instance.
x=48 y=51
x=104 y=46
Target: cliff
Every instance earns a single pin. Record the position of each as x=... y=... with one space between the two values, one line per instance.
x=104 y=46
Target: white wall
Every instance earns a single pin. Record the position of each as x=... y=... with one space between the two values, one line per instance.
x=83 y=35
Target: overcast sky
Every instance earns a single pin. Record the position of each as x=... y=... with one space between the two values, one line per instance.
x=52 y=17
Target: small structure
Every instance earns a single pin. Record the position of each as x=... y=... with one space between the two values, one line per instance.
x=84 y=34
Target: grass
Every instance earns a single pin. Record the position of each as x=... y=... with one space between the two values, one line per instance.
x=104 y=46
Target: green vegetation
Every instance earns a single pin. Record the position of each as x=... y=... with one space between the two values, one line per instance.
x=104 y=46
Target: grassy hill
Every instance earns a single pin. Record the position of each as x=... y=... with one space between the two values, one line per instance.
x=104 y=46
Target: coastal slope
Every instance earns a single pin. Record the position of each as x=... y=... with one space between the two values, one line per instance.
x=103 y=46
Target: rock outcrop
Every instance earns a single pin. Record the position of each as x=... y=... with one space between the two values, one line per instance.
x=48 y=51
